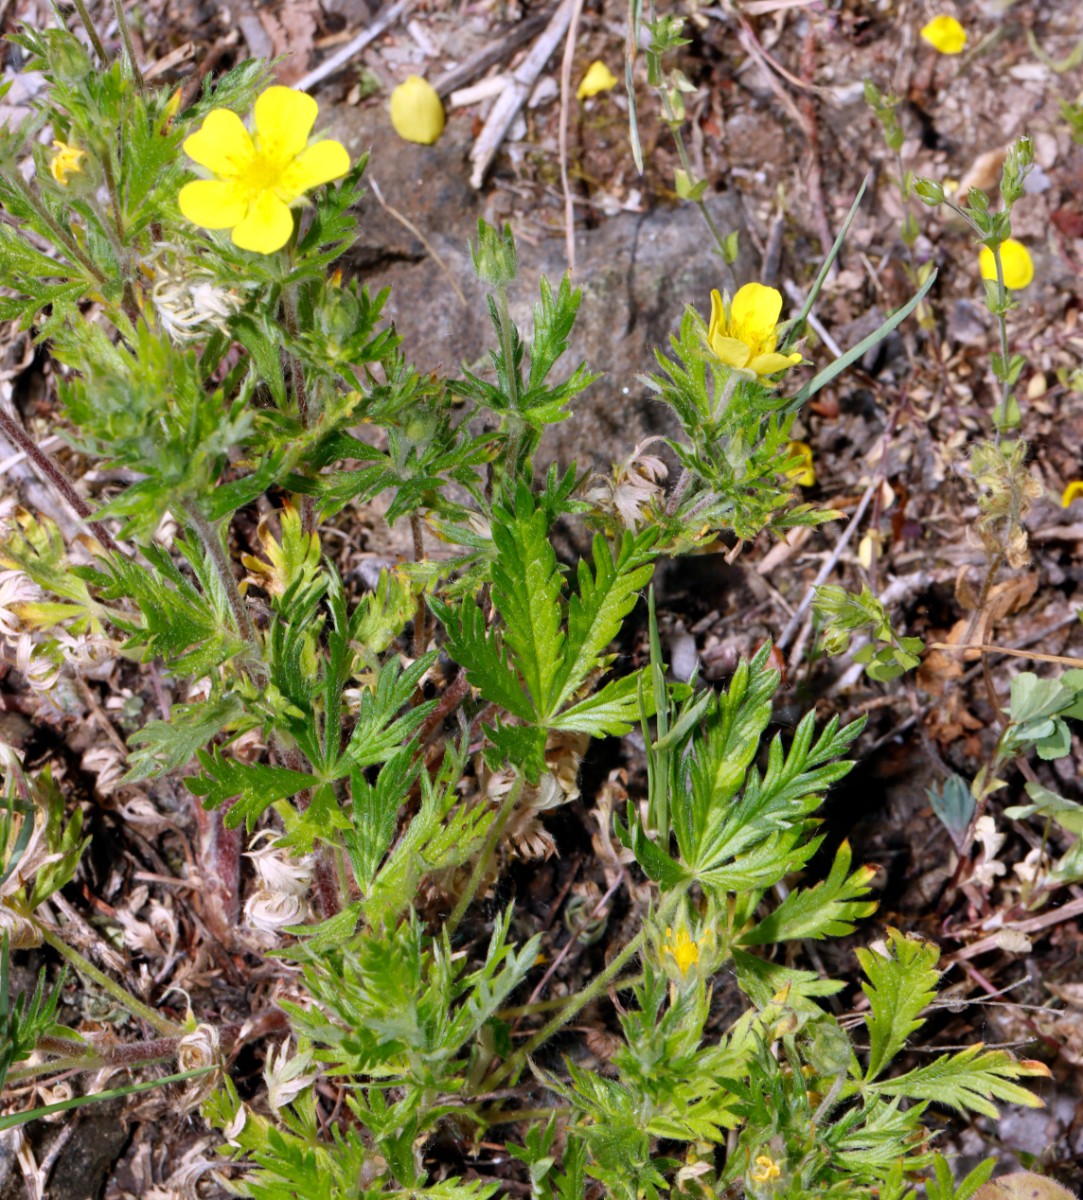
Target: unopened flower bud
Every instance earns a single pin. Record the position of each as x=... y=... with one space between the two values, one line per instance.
x=494 y=255
x=928 y=191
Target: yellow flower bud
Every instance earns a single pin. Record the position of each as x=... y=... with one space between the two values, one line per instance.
x=417 y=113
x=599 y=78
x=1015 y=260
x=945 y=34
x=805 y=474
x=66 y=161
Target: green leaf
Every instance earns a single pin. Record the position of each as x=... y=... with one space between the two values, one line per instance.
x=970 y=1081
x=953 y=803
x=527 y=587
x=1034 y=699
x=829 y=909
x=596 y=614
x=252 y=786
x=168 y=745
x=900 y=986
x=609 y=712
x=480 y=653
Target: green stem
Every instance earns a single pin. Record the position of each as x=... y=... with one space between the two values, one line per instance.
x=136 y=1007
x=487 y=850
x=576 y=1003
x=92 y=33
x=212 y=543
x=129 y=46
x=55 y=228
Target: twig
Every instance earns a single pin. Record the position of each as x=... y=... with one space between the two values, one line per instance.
x=829 y=565
x=562 y=139
x=515 y=94
x=354 y=46
x=492 y=52
x=1073 y=908
x=986 y=648
x=405 y=221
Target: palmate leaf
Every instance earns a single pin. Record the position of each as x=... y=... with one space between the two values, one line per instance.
x=474 y=647
x=900 y=985
x=828 y=909
x=969 y=1081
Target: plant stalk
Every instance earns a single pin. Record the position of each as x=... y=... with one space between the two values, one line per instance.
x=137 y=1008
x=488 y=848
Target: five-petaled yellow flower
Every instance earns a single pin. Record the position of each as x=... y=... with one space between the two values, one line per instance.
x=945 y=34
x=257 y=178
x=599 y=78
x=682 y=948
x=1015 y=260
x=743 y=332
x=68 y=160
x=1072 y=492
x=765 y=1169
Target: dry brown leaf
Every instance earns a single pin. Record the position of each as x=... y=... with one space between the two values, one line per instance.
x=292 y=33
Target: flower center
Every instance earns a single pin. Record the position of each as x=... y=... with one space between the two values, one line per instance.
x=260 y=175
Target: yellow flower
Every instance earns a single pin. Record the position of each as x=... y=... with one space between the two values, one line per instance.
x=682 y=948
x=744 y=332
x=599 y=78
x=1072 y=492
x=66 y=161
x=804 y=475
x=417 y=112
x=1014 y=259
x=258 y=178
x=945 y=34
x=765 y=1169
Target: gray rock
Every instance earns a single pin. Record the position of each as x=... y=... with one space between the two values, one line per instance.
x=637 y=271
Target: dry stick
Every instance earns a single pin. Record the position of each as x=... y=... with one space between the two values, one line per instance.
x=54 y=474
x=405 y=221
x=514 y=96
x=421 y=635
x=829 y=565
x=353 y=47
x=1073 y=908
x=562 y=140
x=490 y=54
x=989 y=648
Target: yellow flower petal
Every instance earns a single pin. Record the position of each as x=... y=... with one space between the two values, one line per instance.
x=318 y=164
x=1072 y=492
x=769 y=364
x=212 y=203
x=221 y=144
x=267 y=227
x=804 y=475
x=732 y=351
x=68 y=160
x=718 y=317
x=945 y=34
x=1014 y=259
x=417 y=113
x=599 y=78
x=284 y=118
x=755 y=311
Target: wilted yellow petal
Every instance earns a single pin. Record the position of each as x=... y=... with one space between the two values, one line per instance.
x=770 y=364
x=1015 y=260
x=599 y=78
x=266 y=228
x=284 y=119
x=1073 y=491
x=417 y=113
x=221 y=144
x=213 y=203
x=945 y=34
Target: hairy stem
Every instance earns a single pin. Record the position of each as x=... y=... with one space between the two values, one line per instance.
x=492 y=839
x=92 y=33
x=134 y=1054
x=129 y=46
x=62 y=235
x=137 y=1008
x=575 y=1004
x=55 y=474
x=212 y=543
